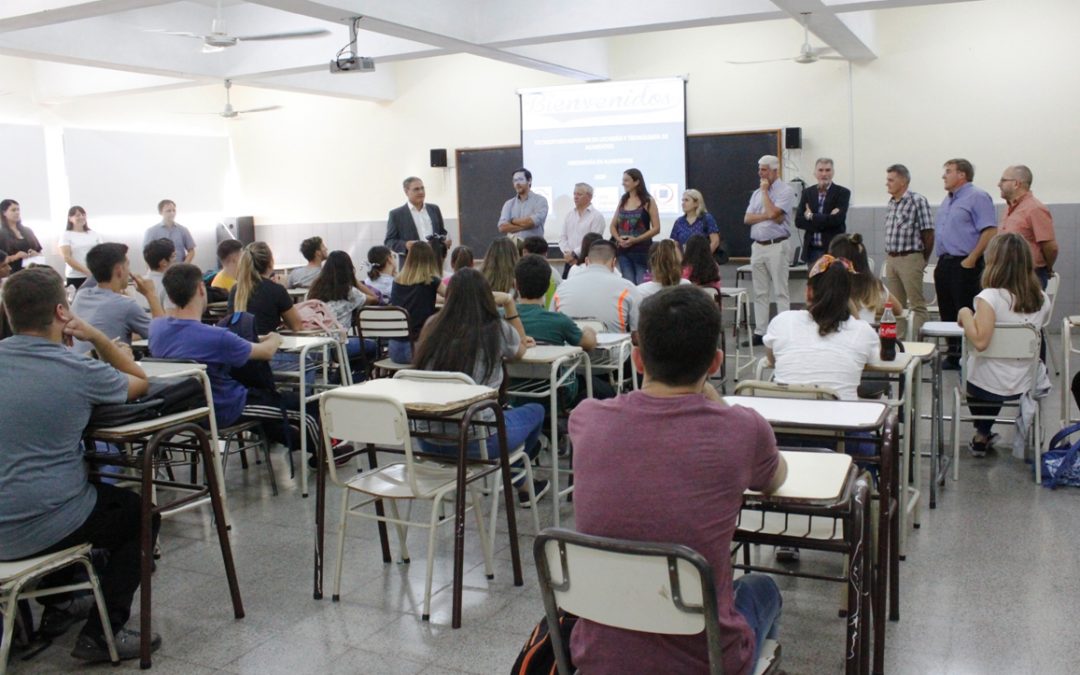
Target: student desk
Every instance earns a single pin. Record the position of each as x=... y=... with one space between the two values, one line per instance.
x=303 y=345
x=1067 y=350
x=434 y=401
x=827 y=485
x=298 y=294
x=936 y=331
x=539 y=374
x=742 y=320
x=804 y=418
x=153 y=433
x=614 y=351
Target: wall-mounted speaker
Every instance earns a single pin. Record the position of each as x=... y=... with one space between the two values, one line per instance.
x=245 y=229
x=438 y=157
x=793 y=138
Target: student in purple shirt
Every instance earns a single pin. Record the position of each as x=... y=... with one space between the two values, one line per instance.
x=966 y=222
x=632 y=481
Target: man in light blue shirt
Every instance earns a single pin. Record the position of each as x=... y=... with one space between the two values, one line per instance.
x=523 y=216
x=169 y=229
x=769 y=218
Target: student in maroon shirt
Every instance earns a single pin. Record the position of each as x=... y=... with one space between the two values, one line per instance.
x=635 y=479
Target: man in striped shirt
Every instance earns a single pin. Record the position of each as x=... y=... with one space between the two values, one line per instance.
x=909 y=240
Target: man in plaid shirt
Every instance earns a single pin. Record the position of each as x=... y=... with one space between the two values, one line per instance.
x=909 y=240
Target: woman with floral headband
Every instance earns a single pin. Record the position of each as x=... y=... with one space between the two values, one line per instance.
x=822 y=344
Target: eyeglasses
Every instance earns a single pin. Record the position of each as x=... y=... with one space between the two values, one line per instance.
x=1007 y=180
x=826 y=261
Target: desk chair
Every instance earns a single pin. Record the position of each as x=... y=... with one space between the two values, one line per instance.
x=379 y=324
x=1051 y=292
x=1017 y=341
x=17 y=582
x=655 y=588
x=609 y=360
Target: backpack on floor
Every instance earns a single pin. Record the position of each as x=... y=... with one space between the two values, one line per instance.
x=537 y=656
x=1059 y=462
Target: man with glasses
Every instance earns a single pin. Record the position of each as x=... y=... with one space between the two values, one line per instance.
x=1029 y=218
x=524 y=214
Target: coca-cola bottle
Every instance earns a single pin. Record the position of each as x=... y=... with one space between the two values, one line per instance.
x=887 y=333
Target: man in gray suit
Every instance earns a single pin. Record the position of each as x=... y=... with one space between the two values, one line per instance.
x=415 y=220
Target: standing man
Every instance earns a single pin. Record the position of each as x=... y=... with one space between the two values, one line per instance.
x=966 y=223
x=1029 y=218
x=415 y=220
x=579 y=222
x=169 y=229
x=909 y=241
x=523 y=215
x=822 y=212
x=769 y=216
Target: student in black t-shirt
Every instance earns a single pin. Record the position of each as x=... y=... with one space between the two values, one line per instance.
x=415 y=288
x=257 y=293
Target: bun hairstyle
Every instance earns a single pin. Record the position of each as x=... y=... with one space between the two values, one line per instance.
x=830 y=287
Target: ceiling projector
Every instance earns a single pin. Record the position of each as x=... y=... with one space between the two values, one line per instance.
x=353 y=64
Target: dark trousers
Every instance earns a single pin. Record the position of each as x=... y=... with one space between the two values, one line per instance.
x=1044 y=276
x=566 y=270
x=986 y=403
x=113 y=526
x=956 y=287
x=268 y=407
x=813 y=253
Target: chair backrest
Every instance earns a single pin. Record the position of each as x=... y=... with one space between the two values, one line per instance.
x=383 y=322
x=1018 y=341
x=778 y=390
x=641 y=586
x=1052 y=285
x=350 y=414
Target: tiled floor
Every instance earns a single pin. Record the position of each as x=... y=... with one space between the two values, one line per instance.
x=987 y=587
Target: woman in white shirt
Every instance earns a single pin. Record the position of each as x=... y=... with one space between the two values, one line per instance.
x=665 y=262
x=1011 y=294
x=75 y=242
x=822 y=344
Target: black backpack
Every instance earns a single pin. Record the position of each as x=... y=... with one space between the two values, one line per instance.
x=163 y=399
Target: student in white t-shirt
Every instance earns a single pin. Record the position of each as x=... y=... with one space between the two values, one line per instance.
x=665 y=263
x=75 y=242
x=1011 y=294
x=822 y=344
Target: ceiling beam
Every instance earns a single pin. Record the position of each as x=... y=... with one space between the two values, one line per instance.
x=851 y=39
x=22 y=14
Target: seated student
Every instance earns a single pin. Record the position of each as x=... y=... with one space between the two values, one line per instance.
x=586 y=242
x=183 y=335
x=257 y=293
x=665 y=262
x=539 y=246
x=868 y=294
x=1011 y=294
x=105 y=306
x=415 y=289
x=46 y=502
x=460 y=258
x=632 y=482
x=382 y=266
x=468 y=336
x=552 y=328
x=822 y=344
x=499 y=263
x=699 y=266
x=600 y=293
x=159 y=254
x=337 y=286
x=228 y=253
x=314 y=251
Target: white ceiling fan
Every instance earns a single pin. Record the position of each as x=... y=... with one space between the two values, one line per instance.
x=218 y=38
x=807 y=54
x=231 y=113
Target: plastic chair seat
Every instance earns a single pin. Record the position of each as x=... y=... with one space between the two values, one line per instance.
x=390 y=364
x=392 y=482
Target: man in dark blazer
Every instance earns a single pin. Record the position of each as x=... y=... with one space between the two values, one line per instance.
x=822 y=212
x=415 y=221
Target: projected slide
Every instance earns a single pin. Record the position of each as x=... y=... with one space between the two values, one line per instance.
x=591 y=133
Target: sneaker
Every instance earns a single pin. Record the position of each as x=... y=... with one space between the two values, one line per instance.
x=57 y=619
x=340 y=449
x=756 y=340
x=93 y=650
x=788 y=554
x=540 y=488
x=977 y=448
x=951 y=363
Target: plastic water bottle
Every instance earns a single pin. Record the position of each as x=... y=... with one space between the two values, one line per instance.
x=887 y=333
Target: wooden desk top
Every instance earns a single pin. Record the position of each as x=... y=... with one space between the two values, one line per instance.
x=812 y=414
x=812 y=478
x=425 y=397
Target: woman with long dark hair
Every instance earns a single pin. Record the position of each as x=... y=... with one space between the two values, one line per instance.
x=75 y=242
x=468 y=336
x=699 y=266
x=633 y=226
x=15 y=238
x=823 y=344
x=382 y=266
x=337 y=286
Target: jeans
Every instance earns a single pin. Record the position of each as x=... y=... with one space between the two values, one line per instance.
x=758 y=599
x=287 y=362
x=400 y=351
x=633 y=265
x=113 y=525
x=523 y=425
x=987 y=403
x=1044 y=276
